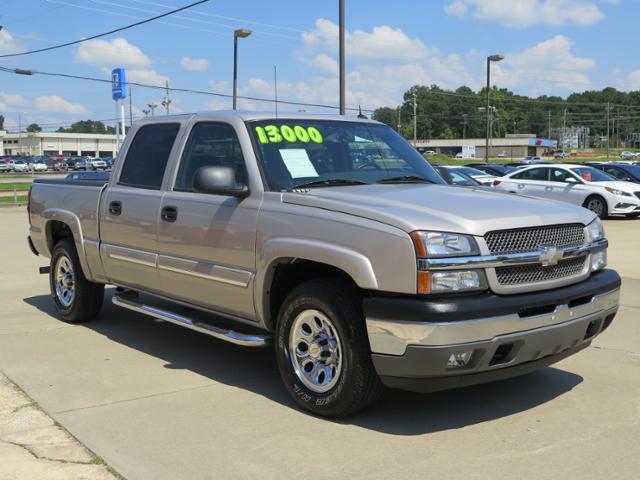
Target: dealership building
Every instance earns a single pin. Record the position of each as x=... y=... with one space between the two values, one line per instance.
x=55 y=143
x=512 y=146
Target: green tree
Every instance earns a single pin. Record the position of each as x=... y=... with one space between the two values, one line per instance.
x=386 y=115
x=87 y=126
x=34 y=127
x=1 y=122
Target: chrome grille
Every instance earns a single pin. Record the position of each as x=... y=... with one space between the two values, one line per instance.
x=524 y=274
x=529 y=239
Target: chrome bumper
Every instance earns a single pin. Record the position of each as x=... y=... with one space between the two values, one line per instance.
x=391 y=337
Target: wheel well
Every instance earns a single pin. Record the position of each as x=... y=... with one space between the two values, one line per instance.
x=289 y=274
x=56 y=231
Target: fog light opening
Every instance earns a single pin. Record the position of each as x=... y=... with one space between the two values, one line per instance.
x=459 y=359
x=502 y=354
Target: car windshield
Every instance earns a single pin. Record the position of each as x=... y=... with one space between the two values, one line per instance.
x=454 y=177
x=589 y=174
x=332 y=153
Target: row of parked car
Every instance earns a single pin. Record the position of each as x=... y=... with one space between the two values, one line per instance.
x=57 y=163
x=606 y=188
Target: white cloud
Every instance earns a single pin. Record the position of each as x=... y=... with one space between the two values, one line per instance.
x=109 y=54
x=547 y=64
x=383 y=42
x=8 y=44
x=147 y=77
x=325 y=63
x=9 y=101
x=195 y=64
x=628 y=82
x=220 y=86
x=54 y=103
x=526 y=13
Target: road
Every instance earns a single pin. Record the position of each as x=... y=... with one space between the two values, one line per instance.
x=157 y=401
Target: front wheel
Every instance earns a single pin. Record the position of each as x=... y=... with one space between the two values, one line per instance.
x=597 y=205
x=76 y=298
x=323 y=350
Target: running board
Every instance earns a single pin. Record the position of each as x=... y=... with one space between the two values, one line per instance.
x=222 y=334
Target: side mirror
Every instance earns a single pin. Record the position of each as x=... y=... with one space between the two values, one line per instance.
x=218 y=181
x=571 y=180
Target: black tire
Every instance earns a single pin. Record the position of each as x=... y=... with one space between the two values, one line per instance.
x=357 y=385
x=633 y=215
x=87 y=298
x=597 y=205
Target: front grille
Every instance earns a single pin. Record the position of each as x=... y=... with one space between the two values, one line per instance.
x=529 y=239
x=525 y=274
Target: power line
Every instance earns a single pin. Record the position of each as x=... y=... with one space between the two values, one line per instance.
x=23 y=71
x=75 y=42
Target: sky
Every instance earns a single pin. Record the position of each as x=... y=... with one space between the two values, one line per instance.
x=552 y=47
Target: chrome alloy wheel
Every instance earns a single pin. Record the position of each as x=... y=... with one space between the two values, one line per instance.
x=315 y=351
x=65 y=281
x=596 y=206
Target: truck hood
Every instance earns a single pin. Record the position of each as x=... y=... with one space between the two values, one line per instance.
x=439 y=207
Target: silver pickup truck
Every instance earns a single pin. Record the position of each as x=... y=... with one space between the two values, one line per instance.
x=333 y=239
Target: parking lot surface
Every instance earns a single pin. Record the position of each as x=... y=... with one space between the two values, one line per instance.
x=157 y=401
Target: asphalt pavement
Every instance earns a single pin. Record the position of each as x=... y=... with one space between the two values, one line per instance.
x=158 y=401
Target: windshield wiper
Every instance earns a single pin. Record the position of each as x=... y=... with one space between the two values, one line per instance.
x=406 y=179
x=330 y=182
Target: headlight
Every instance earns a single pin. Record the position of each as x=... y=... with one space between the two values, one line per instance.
x=598 y=260
x=615 y=191
x=595 y=231
x=457 y=280
x=442 y=244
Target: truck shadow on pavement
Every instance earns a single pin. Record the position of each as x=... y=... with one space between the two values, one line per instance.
x=397 y=412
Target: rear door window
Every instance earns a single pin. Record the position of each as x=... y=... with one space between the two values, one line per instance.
x=148 y=155
x=541 y=174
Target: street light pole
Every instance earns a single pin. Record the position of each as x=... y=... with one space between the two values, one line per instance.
x=415 y=120
x=342 y=59
x=239 y=33
x=490 y=58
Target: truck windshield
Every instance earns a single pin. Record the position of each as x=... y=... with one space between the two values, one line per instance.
x=326 y=153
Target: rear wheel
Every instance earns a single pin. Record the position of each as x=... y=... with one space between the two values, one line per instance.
x=323 y=350
x=76 y=298
x=597 y=205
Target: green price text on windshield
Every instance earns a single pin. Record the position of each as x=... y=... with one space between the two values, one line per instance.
x=297 y=133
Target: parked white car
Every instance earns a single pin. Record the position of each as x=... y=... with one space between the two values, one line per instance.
x=38 y=166
x=577 y=184
x=98 y=164
x=20 y=166
x=478 y=175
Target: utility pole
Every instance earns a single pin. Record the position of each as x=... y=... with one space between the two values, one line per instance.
x=465 y=117
x=275 y=87
x=130 y=109
x=564 y=129
x=399 y=126
x=608 y=108
x=342 y=58
x=152 y=107
x=166 y=101
x=549 y=123
x=415 y=120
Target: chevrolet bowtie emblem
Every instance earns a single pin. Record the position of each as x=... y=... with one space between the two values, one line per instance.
x=550 y=255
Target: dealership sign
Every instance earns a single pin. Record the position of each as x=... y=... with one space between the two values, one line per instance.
x=468 y=151
x=118 y=84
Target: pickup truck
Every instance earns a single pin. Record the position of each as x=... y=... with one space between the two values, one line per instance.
x=334 y=240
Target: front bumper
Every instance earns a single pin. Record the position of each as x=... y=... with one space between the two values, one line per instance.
x=412 y=339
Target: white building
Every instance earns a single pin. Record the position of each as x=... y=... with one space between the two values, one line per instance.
x=513 y=145
x=55 y=143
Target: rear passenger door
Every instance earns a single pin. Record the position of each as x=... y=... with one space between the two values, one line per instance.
x=532 y=182
x=130 y=207
x=207 y=247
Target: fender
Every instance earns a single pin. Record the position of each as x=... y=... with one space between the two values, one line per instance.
x=356 y=265
x=73 y=222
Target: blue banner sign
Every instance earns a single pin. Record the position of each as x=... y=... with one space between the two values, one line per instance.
x=118 y=84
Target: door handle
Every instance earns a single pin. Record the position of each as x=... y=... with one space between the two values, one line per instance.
x=115 y=208
x=548 y=189
x=520 y=185
x=169 y=214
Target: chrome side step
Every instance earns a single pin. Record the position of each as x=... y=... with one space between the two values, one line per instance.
x=222 y=334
